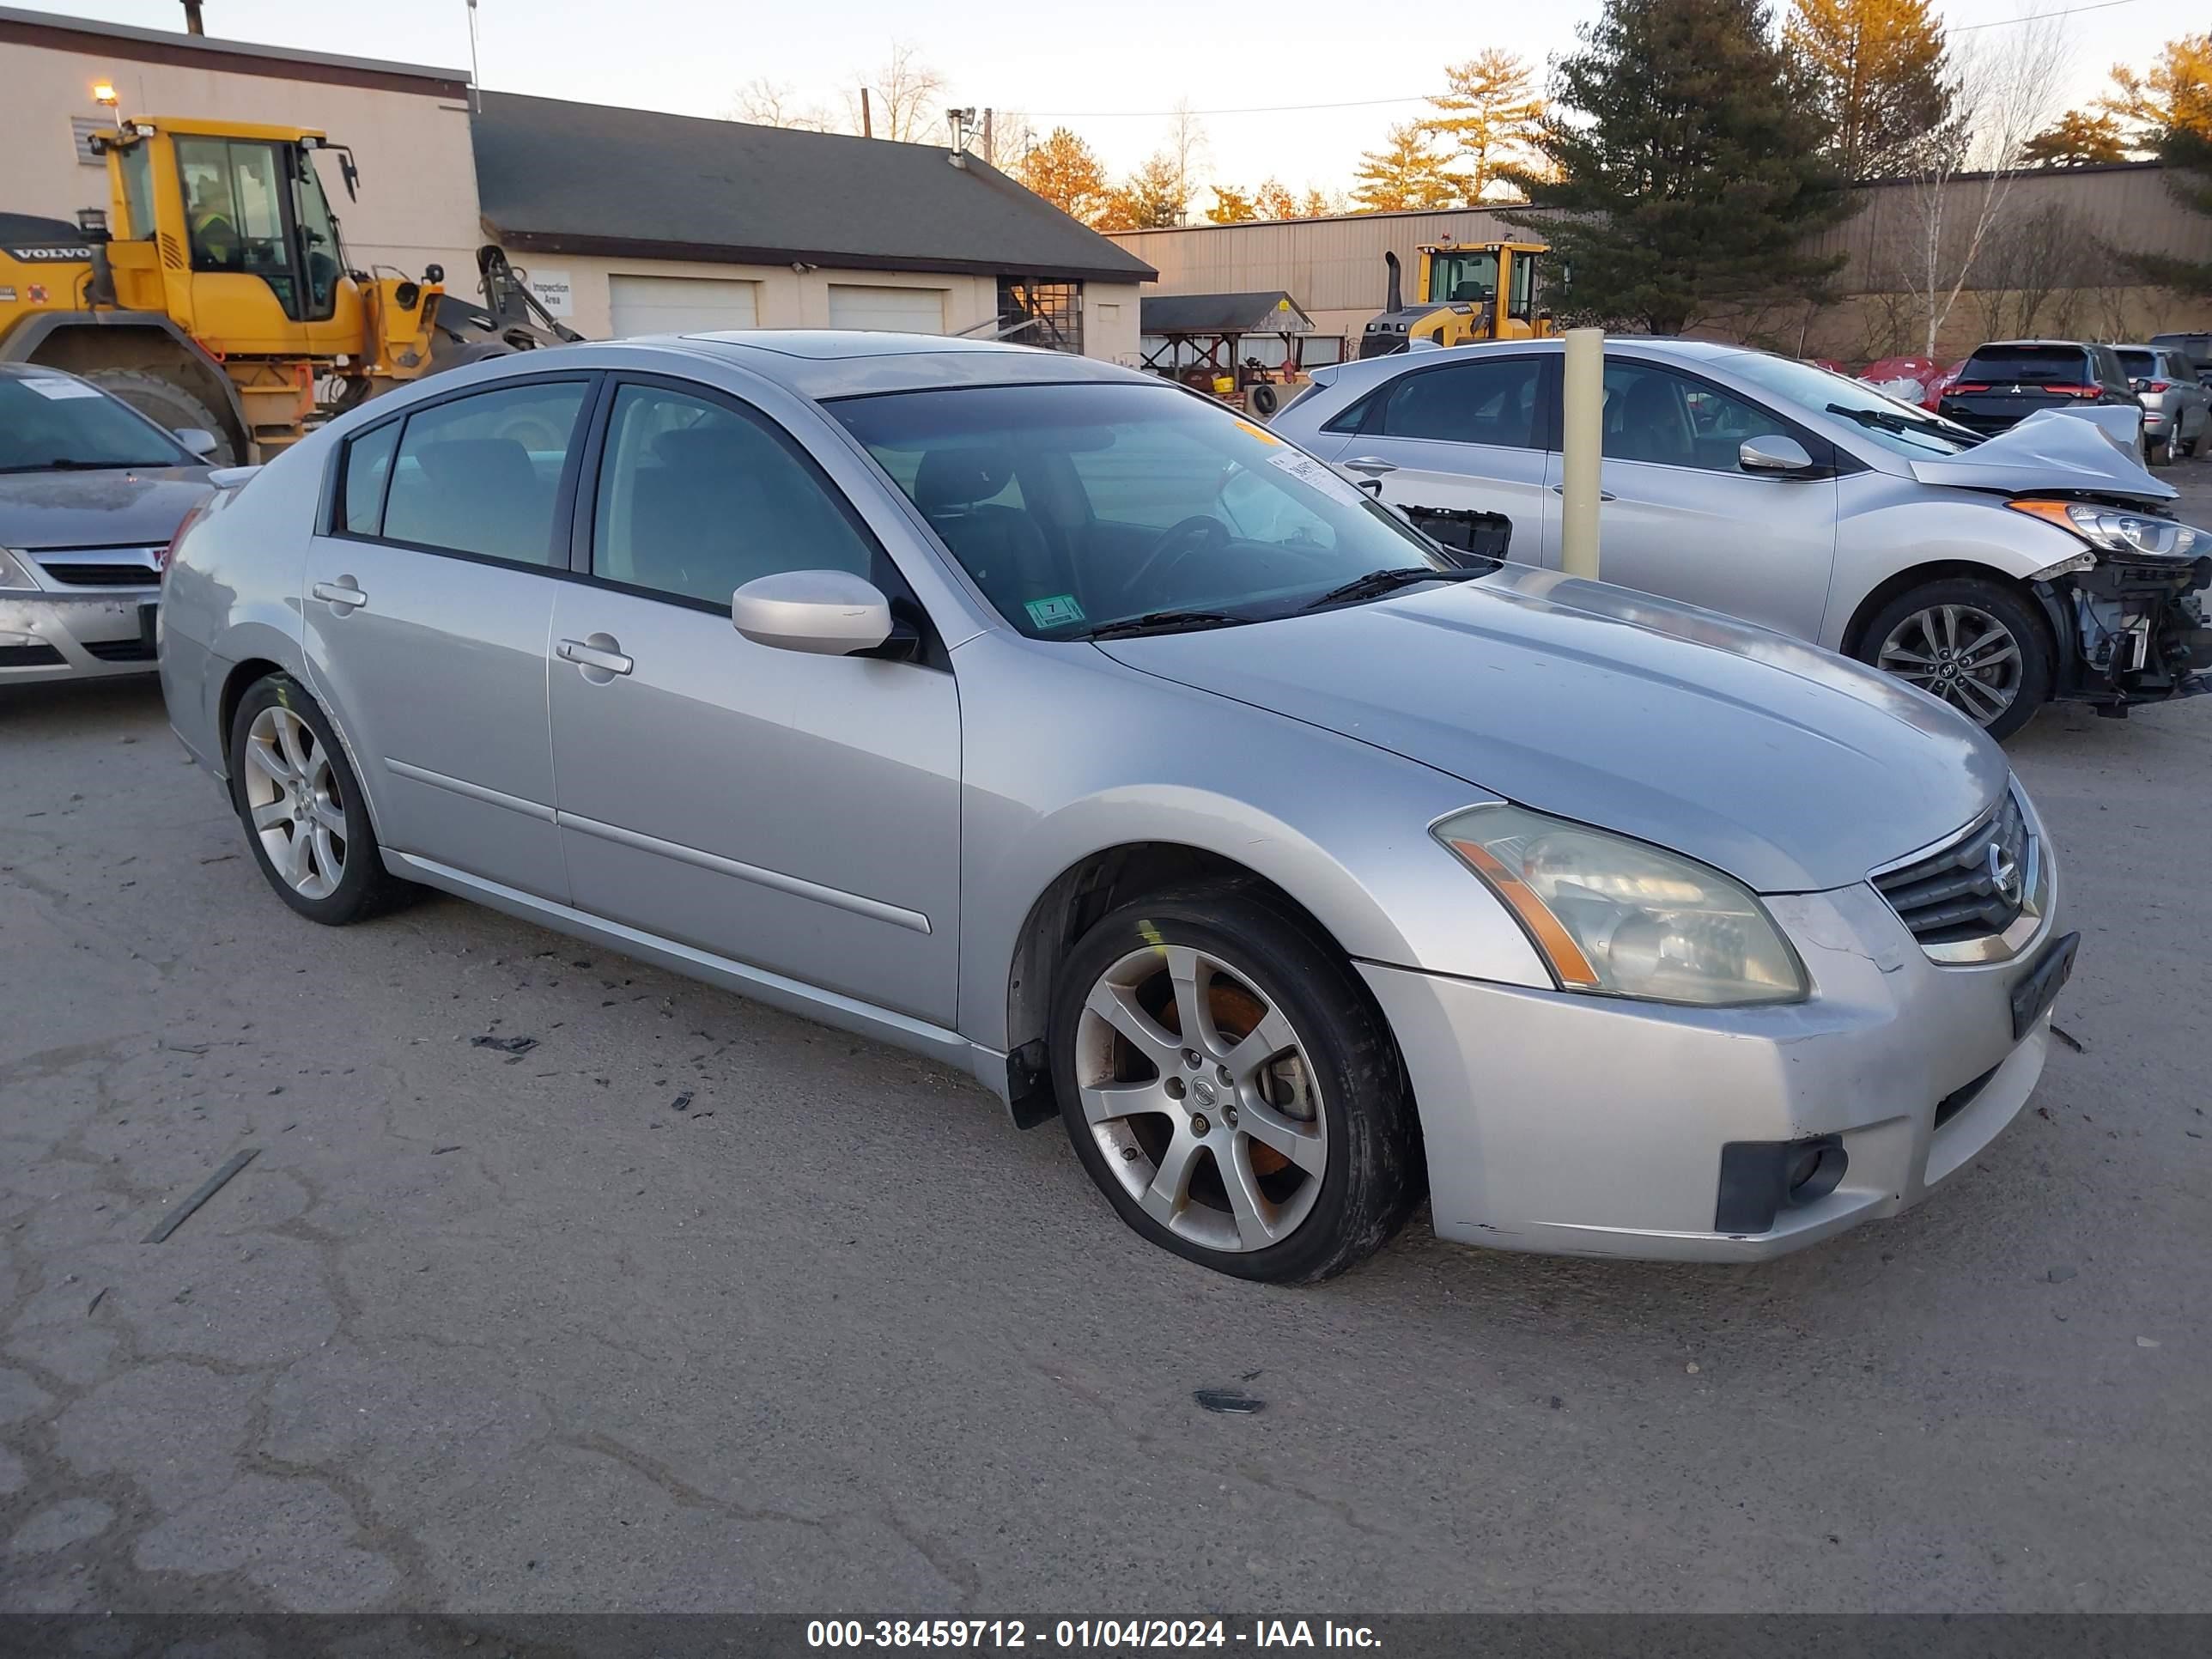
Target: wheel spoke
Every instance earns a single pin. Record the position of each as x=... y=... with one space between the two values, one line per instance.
x=1118 y=1007
x=327 y=857
x=1255 y=1215
x=294 y=864
x=1986 y=702
x=1104 y=1103
x=1951 y=627
x=269 y=814
x=328 y=818
x=262 y=750
x=292 y=734
x=2007 y=652
x=1191 y=974
x=1300 y=1143
x=1169 y=1192
x=1260 y=1045
x=1894 y=652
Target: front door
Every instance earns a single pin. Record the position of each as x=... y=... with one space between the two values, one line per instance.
x=1462 y=437
x=1681 y=518
x=429 y=603
x=798 y=813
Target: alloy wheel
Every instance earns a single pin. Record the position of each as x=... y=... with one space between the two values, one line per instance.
x=1959 y=653
x=1199 y=1092
x=293 y=803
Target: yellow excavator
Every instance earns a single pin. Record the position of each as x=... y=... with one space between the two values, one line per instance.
x=1459 y=298
x=213 y=290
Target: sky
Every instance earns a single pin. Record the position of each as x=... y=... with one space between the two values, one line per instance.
x=1111 y=71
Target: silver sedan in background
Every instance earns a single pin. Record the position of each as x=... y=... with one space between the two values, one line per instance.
x=90 y=492
x=1067 y=727
x=1996 y=574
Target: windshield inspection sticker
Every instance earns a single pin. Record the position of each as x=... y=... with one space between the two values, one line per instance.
x=1055 y=612
x=58 y=389
x=1320 y=474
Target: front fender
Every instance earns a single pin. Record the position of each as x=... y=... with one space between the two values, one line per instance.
x=1888 y=528
x=1339 y=825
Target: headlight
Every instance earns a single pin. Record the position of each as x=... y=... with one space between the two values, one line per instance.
x=14 y=576
x=2119 y=533
x=1618 y=917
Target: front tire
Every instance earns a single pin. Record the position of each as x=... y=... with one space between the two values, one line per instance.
x=305 y=817
x=169 y=406
x=1976 y=645
x=1228 y=1084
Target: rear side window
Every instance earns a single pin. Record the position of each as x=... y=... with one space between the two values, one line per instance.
x=481 y=474
x=368 y=464
x=2035 y=365
x=1490 y=402
x=1353 y=414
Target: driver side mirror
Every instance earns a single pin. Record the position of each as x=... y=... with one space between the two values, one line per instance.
x=826 y=613
x=1774 y=453
x=198 y=440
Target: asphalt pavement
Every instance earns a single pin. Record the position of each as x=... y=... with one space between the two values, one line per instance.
x=691 y=1305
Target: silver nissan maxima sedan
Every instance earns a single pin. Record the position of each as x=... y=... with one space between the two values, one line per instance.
x=1063 y=726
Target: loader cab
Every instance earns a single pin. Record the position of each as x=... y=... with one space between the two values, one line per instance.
x=1469 y=275
x=238 y=218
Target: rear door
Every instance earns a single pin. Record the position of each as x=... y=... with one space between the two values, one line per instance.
x=429 y=600
x=1680 y=517
x=798 y=813
x=1466 y=435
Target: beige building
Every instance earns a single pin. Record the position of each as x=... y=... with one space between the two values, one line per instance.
x=407 y=125
x=625 y=221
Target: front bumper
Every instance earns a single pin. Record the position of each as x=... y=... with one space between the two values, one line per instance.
x=1589 y=1125
x=87 y=635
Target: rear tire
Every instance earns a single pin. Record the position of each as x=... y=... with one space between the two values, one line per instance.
x=1991 y=638
x=305 y=817
x=1278 y=1143
x=169 y=406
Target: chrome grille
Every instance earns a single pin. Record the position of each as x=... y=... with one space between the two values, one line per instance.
x=1975 y=886
x=102 y=567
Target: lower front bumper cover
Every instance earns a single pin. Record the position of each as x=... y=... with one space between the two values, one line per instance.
x=1589 y=1125
x=65 y=636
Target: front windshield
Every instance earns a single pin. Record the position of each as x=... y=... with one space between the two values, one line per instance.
x=1900 y=427
x=1467 y=278
x=1077 y=508
x=50 y=422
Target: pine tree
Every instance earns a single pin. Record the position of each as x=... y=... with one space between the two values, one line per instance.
x=1688 y=172
x=1488 y=113
x=1152 y=197
x=1876 y=67
x=1064 y=171
x=1405 y=174
x=2075 y=139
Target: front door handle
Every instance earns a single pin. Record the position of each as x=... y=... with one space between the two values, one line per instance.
x=342 y=596
x=1373 y=465
x=1602 y=494
x=599 y=655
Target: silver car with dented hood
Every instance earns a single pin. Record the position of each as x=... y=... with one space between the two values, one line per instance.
x=1063 y=726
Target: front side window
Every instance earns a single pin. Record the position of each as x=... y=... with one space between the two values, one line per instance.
x=234 y=211
x=1656 y=416
x=697 y=500
x=481 y=474
x=137 y=164
x=1489 y=401
x=1085 y=507
x=318 y=237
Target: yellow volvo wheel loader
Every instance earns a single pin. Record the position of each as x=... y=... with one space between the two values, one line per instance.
x=1459 y=298
x=213 y=290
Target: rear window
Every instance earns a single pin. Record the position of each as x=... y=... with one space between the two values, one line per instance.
x=2034 y=363
x=2139 y=365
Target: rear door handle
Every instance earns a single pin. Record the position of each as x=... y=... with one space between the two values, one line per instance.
x=1602 y=494
x=601 y=652
x=341 y=594
x=1373 y=465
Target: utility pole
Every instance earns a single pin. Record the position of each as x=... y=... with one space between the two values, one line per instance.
x=867 y=122
x=192 y=24
x=990 y=147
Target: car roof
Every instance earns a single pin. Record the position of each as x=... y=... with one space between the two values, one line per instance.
x=824 y=363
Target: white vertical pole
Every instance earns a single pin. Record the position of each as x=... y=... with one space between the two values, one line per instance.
x=1580 y=438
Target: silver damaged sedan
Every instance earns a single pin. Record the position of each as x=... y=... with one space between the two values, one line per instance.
x=1063 y=726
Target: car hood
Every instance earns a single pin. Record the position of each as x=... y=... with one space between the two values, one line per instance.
x=1792 y=769
x=132 y=507
x=2055 y=449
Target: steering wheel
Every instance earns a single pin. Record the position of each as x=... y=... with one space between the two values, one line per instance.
x=1198 y=533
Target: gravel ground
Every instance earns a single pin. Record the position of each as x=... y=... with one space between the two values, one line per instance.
x=486 y=1332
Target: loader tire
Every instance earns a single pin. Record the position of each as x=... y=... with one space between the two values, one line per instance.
x=169 y=406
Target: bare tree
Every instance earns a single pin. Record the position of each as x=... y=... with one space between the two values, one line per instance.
x=1186 y=149
x=906 y=97
x=765 y=103
x=1960 y=179
x=1012 y=135
x=2031 y=270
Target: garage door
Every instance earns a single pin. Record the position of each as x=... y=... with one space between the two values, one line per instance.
x=903 y=310
x=680 y=305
